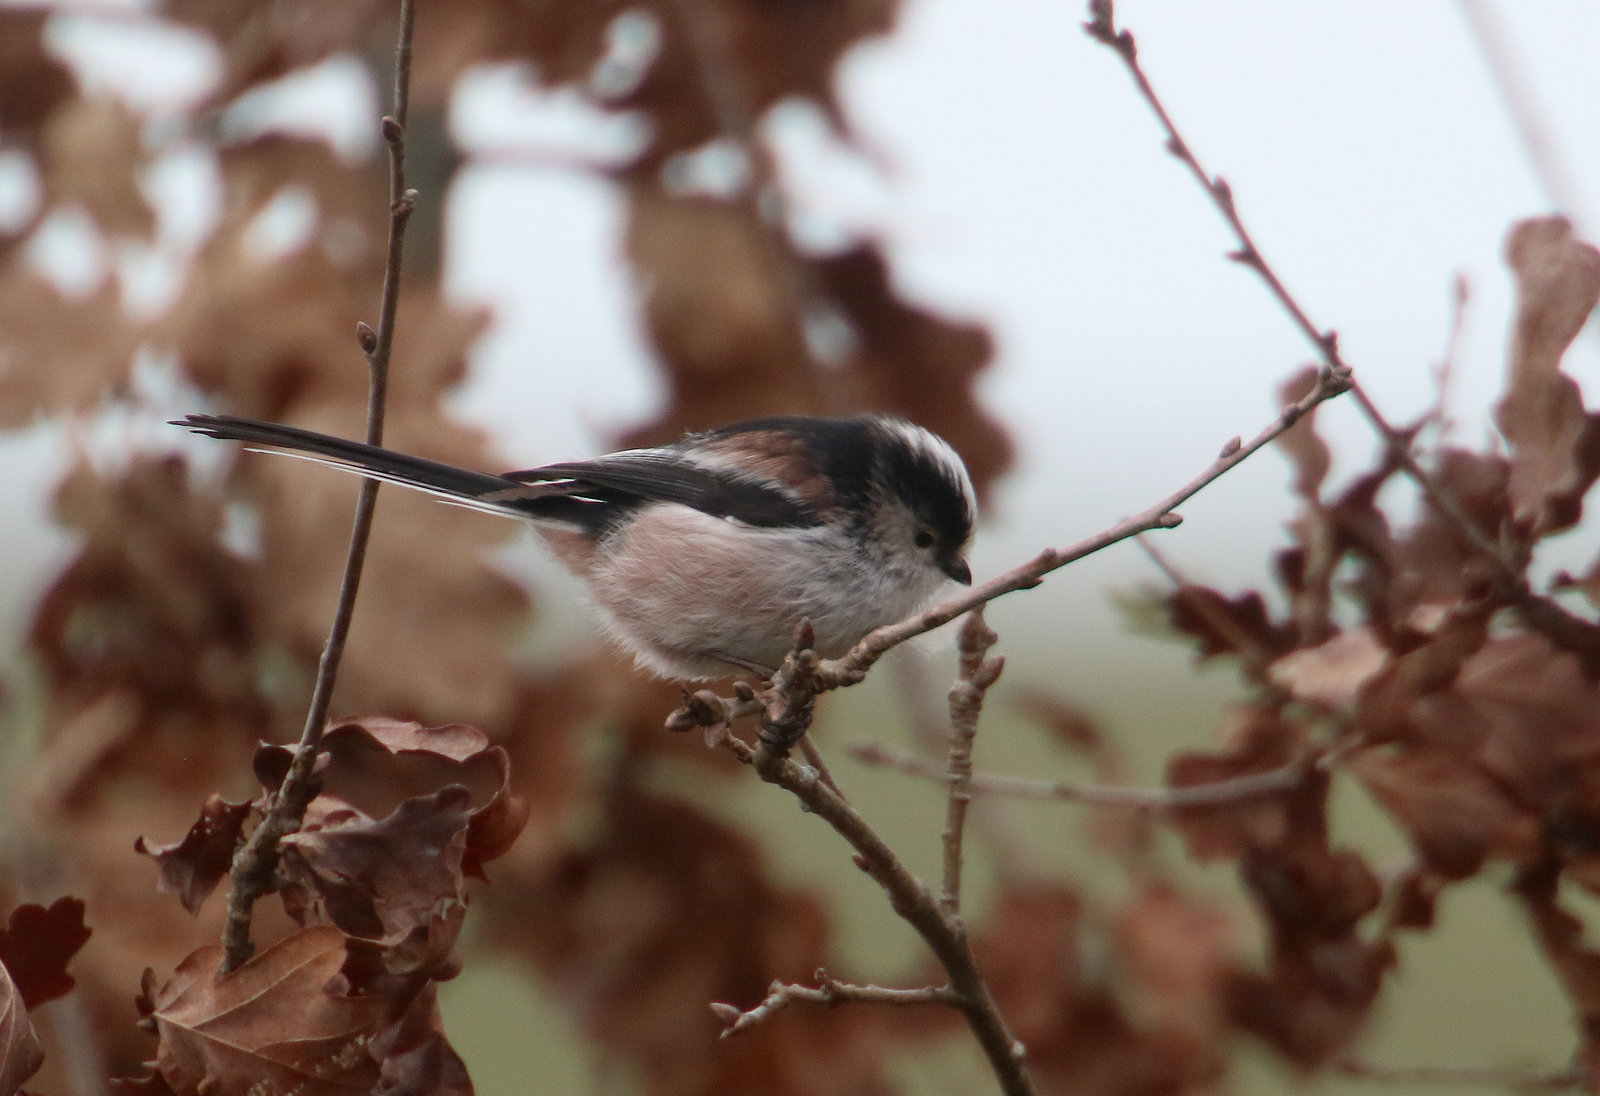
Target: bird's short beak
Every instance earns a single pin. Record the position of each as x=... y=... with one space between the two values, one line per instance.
x=957 y=568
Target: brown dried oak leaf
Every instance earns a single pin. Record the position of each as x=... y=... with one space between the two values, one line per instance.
x=270 y=1027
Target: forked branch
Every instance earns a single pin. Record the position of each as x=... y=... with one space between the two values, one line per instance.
x=912 y=900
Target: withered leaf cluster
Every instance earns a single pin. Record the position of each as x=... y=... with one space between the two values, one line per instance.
x=349 y=1001
x=1421 y=658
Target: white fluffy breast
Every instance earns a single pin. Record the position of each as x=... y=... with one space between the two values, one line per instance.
x=685 y=592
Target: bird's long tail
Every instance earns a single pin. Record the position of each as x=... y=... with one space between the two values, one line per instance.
x=476 y=490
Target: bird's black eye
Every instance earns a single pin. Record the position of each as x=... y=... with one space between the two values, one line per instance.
x=923 y=539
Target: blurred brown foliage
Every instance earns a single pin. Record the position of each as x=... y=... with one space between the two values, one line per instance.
x=1401 y=659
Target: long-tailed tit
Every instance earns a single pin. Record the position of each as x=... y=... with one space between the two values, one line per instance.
x=704 y=555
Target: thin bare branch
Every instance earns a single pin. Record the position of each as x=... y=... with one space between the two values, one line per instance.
x=911 y=899
x=1561 y=627
x=828 y=993
x=1009 y=852
x=814 y=758
x=1155 y=800
x=256 y=861
x=978 y=672
x=1168 y=569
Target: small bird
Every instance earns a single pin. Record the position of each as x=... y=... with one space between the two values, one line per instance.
x=704 y=555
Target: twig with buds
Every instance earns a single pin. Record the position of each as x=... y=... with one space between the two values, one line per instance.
x=257 y=859
x=827 y=993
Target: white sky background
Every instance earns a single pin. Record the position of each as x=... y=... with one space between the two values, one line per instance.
x=1018 y=180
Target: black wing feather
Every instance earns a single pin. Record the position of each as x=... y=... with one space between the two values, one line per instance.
x=657 y=475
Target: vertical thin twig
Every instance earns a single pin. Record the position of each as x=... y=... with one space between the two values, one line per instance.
x=930 y=725
x=977 y=673
x=256 y=861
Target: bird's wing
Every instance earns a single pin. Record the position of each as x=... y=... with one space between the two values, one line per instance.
x=665 y=475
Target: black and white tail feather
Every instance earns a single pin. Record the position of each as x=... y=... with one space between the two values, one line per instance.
x=552 y=494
